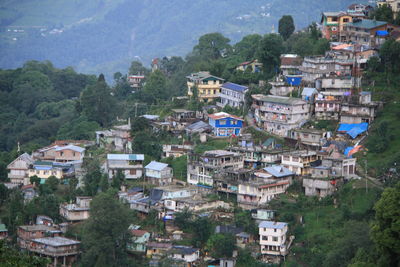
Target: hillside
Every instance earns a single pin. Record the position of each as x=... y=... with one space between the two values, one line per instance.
x=104 y=36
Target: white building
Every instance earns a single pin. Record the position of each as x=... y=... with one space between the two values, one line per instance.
x=299 y=161
x=279 y=114
x=185 y=253
x=273 y=238
x=158 y=173
x=232 y=94
x=19 y=169
x=131 y=165
x=78 y=211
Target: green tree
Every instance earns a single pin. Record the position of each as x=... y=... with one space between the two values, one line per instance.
x=35 y=180
x=202 y=229
x=139 y=124
x=98 y=104
x=11 y=257
x=118 y=179
x=105 y=232
x=212 y=46
x=383 y=13
x=385 y=230
x=286 y=26
x=53 y=183
x=246 y=49
x=221 y=245
x=156 y=86
x=269 y=52
x=138 y=68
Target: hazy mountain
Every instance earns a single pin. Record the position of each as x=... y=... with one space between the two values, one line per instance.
x=105 y=35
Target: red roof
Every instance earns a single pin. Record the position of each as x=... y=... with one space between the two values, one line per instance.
x=291 y=61
x=221 y=115
x=275 y=184
x=138 y=232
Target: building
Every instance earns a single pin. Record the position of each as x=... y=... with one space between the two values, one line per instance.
x=299 y=161
x=334 y=22
x=3 y=231
x=232 y=94
x=194 y=204
x=184 y=253
x=157 y=250
x=308 y=94
x=45 y=169
x=29 y=192
x=201 y=168
x=208 y=86
x=290 y=64
x=312 y=138
x=366 y=31
x=198 y=127
x=224 y=124
x=118 y=138
x=18 y=169
x=78 y=211
x=183 y=114
x=131 y=165
x=158 y=173
x=320 y=186
x=393 y=4
x=278 y=114
x=273 y=238
x=253 y=65
x=327 y=108
x=280 y=87
x=359 y=111
x=69 y=153
x=175 y=191
x=136 y=81
x=335 y=85
x=138 y=241
x=176 y=151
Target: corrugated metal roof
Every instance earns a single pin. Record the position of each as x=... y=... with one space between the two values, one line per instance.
x=71 y=147
x=367 y=24
x=157 y=166
x=222 y=115
x=278 y=171
x=235 y=87
x=271 y=224
x=307 y=91
x=125 y=156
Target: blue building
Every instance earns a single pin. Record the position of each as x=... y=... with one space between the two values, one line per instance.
x=224 y=124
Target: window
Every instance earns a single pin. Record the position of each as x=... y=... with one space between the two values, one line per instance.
x=132 y=172
x=61 y=153
x=346 y=20
x=275 y=238
x=264 y=237
x=275 y=230
x=222 y=122
x=73 y=154
x=234 y=122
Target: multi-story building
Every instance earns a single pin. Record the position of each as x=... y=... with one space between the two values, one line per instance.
x=290 y=64
x=136 y=81
x=224 y=124
x=45 y=169
x=273 y=238
x=208 y=86
x=176 y=151
x=320 y=186
x=184 y=253
x=333 y=23
x=158 y=173
x=335 y=85
x=278 y=114
x=327 y=108
x=131 y=165
x=313 y=138
x=299 y=161
x=118 y=138
x=18 y=169
x=201 y=168
x=69 y=153
x=359 y=111
x=78 y=211
x=232 y=94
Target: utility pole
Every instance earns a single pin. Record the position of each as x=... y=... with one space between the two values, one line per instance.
x=366 y=179
x=136 y=104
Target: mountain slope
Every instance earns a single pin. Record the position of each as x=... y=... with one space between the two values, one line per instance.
x=105 y=35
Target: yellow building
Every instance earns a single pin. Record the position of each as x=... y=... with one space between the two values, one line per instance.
x=208 y=86
x=44 y=170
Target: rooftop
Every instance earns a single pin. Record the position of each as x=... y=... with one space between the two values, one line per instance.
x=157 y=166
x=202 y=75
x=125 y=156
x=367 y=24
x=70 y=147
x=39 y=227
x=219 y=153
x=272 y=225
x=222 y=115
x=57 y=241
x=184 y=250
x=279 y=99
x=278 y=171
x=234 y=87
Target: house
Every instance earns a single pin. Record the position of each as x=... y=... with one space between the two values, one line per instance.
x=69 y=153
x=224 y=124
x=158 y=173
x=358 y=8
x=3 y=231
x=46 y=169
x=43 y=219
x=335 y=166
x=280 y=87
x=320 y=186
x=208 y=86
x=312 y=138
x=228 y=229
x=278 y=114
x=262 y=215
x=185 y=253
x=359 y=111
x=393 y=4
x=195 y=204
x=59 y=249
x=201 y=168
x=290 y=64
x=131 y=165
x=138 y=241
x=242 y=239
x=273 y=238
x=78 y=211
x=367 y=31
x=183 y=114
x=18 y=169
x=176 y=151
x=253 y=65
x=175 y=191
x=29 y=192
x=136 y=81
x=198 y=127
x=327 y=108
x=334 y=22
x=299 y=161
x=308 y=94
x=118 y=138
x=227 y=180
x=157 y=250
x=232 y=94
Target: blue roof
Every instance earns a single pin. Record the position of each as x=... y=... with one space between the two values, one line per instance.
x=271 y=224
x=354 y=129
x=157 y=166
x=293 y=80
x=307 y=91
x=278 y=171
x=235 y=87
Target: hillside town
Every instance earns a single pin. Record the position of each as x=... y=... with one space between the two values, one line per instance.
x=241 y=151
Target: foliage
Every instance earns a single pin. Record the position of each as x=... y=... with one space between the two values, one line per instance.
x=221 y=245
x=286 y=26
x=244 y=219
x=212 y=46
x=269 y=52
x=179 y=166
x=105 y=245
x=10 y=257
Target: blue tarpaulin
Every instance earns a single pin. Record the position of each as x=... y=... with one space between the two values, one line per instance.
x=293 y=80
x=347 y=150
x=382 y=33
x=354 y=129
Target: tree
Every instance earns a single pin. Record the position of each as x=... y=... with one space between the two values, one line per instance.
x=385 y=230
x=212 y=46
x=105 y=232
x=383 y=13
x=269 y=52
x=139 y=124
x=118 y=179
x=53 y=182
x=246 y=49
x=35 y=180
x=286 y=26
x=10 y=257
x=221 y=245
x=314 y=32
x=202 y=229
x=137 y=68
x=156 y=86
x=98 y=104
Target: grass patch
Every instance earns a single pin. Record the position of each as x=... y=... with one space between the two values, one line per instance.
x=213 y=144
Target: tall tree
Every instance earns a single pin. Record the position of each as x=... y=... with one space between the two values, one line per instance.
x=98 y=104
x=105 y=232
x=269 y=52
x=212 y=46
x=286 y=26
x=156 y=86
x=138 y=68
x=221 y=245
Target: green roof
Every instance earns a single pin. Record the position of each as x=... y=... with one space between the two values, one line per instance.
x=3 y=227
x=367 y=24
